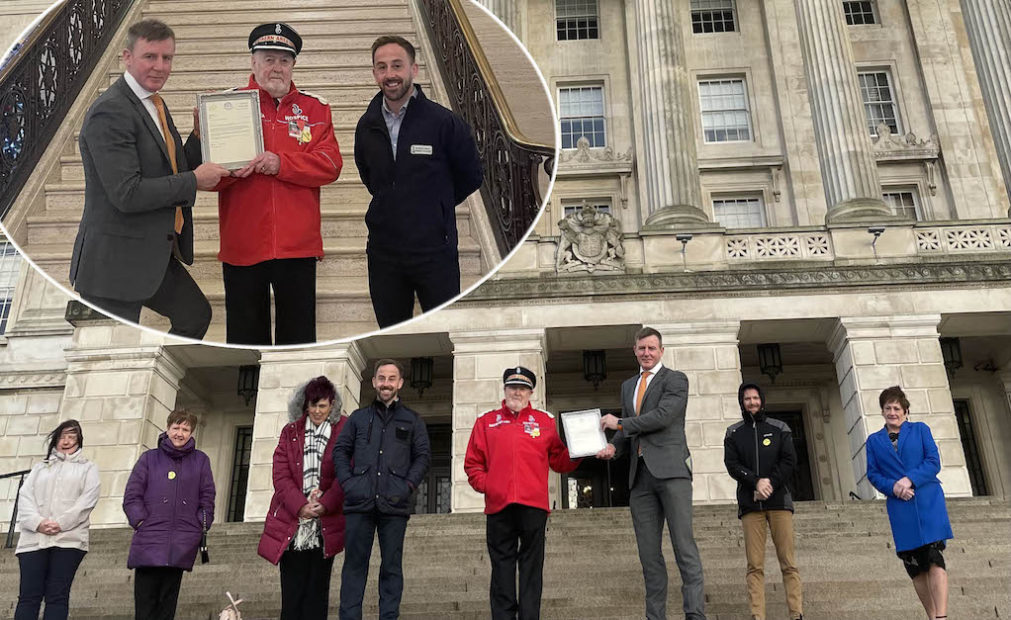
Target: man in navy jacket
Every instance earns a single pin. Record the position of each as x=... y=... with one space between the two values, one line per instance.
x=418 y=160
x=381 y=457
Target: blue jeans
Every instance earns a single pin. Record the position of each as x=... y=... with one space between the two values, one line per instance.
x=359 y=530
x=47 y=574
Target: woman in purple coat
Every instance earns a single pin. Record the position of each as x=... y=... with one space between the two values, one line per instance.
x=304 y=529
x=169 y=502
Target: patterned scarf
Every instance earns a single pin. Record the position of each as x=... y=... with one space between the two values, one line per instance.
x=316 y=438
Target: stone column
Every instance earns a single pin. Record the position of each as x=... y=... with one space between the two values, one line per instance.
x=281 y=372
x=121 y=385
x=670 y=163
x=988 y=24
x=508 y=11
x=848 y=168
x=479 y=358
x=708 y=353
x=872 y=353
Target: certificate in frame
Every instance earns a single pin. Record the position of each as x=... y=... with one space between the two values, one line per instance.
x=231 y=133
x=583 y=434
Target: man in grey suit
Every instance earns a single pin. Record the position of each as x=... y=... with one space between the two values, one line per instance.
x=652 y=430
x=137 y=226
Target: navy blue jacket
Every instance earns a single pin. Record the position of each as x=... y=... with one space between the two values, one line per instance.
x=381 y=456
x=759 y=447
x=414 y=198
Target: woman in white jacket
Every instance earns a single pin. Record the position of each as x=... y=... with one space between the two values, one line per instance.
x=54 y=506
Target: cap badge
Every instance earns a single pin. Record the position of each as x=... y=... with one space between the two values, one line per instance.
x=277 y=28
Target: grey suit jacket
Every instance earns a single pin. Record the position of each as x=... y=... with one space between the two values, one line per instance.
x=659 y=429
x=126 y=235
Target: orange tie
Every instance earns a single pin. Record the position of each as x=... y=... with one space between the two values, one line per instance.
x=639 y=394
x=170 y=144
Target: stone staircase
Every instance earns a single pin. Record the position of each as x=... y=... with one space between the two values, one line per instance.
x=591 y=568
x=212 y=55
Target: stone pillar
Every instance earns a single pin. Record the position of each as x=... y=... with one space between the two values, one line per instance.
x=281 y=372
x=479 y=358
x=670 y=163
x=508 y=11
x=849 y=170
x=121 y=385
x=708 y=353
x=988 y=25
x=872 y=353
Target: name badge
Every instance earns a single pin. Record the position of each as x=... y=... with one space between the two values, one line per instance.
x=421 y=149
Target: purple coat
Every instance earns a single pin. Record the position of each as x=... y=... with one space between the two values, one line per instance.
x=169 y=494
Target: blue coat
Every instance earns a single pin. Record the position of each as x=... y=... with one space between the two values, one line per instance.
x=923 y=519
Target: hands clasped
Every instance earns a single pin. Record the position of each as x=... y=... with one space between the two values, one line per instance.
x=313 y=508
x=49 y=527
x=903 y=489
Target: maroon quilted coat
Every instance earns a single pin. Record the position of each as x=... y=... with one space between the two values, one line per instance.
x=282 y=518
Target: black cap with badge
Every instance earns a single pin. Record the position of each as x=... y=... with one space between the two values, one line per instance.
x=276 y=36
x=519 y=376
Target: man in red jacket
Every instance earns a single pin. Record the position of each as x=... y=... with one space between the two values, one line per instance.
x=269 y=210
x=508 y=457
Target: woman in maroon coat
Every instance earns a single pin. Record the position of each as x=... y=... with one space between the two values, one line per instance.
x=304 y=528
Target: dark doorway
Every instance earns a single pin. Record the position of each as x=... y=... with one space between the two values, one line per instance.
x=435 y=493
x=967 y=431
x=240 y=473
x=596 y=483
x=801 y=483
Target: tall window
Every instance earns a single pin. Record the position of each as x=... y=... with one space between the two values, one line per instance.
x=973 y=463
x=713 y=16
x=240 y=473
x=10 y=266
x=904 y=202
x=859 y=12
x=576 y=19
x=572 y=206
x=725 y=115
x=739 y=211
x=879 y=100
x=582 y=115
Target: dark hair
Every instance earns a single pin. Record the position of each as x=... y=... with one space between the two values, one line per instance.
x=646 y=332
x=392 y=38
x=150 y=30
x=181 y=416
x=54 y=436
x=894 y=394
x=388 y=362
x=317 y=389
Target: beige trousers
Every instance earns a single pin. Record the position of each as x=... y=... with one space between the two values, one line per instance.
x=780 y=522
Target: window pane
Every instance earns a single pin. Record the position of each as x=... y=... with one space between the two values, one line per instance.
x=739 y=212
x=581 y=111
x=725 y=115
x=904 y=203
x=10 y=265
x=879 y=101
x=859 y=12
x=570 y=208
x=713 y=16
x=576 y=19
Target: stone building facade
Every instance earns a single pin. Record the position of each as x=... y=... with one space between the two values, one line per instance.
x=830 y=177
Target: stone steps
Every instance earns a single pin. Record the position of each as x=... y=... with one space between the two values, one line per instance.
x=843 y=552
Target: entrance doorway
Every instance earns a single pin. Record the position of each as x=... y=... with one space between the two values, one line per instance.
x=435 y=493
x=596 y=483
x=801 y=483
x=967 y=431
x=240 y=473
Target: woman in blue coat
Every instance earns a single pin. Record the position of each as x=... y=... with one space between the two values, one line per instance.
x=902 y=463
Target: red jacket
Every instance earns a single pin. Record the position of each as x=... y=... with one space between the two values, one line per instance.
x=282 y=518
x=509 y=454
x=263 y=217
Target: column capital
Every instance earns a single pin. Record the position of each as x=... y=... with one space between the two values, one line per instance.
x=502 y=341
x=699 y=332
x=882 y=327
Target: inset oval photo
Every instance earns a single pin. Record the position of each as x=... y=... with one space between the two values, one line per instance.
x=282 y=176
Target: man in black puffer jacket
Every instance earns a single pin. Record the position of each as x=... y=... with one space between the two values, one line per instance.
x=759 y=455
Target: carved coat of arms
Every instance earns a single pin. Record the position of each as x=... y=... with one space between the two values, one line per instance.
x=590 y=241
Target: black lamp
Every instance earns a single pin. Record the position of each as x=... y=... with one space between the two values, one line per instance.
x=421 y=374
x=595 y=366
x=249 y=380
x=770 y=362
x=951 y=353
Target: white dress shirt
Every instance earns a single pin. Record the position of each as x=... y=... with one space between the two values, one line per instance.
x=649 y=378
x=145 y=97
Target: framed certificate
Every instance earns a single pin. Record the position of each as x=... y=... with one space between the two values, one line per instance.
x=583 y=434
x=230 y=131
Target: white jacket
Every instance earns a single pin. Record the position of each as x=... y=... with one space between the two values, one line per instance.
x=63 y=488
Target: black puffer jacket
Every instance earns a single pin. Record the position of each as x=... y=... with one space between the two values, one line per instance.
x=759 y=447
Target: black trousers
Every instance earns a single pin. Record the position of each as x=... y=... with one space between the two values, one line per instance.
x=516 y=534
x=156 y=592
x=46 y=574
x=178 y=298
x=394 y=281
x=305 y=584
x=247 y=301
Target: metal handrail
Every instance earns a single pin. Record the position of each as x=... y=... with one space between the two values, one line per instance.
x=9 y=543
x=41 y=83
x=511 y=161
